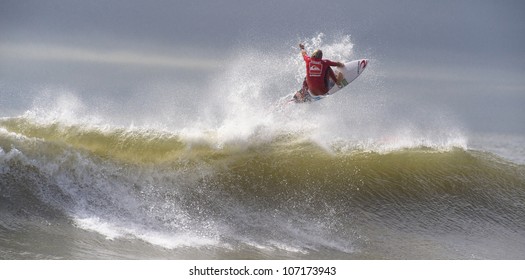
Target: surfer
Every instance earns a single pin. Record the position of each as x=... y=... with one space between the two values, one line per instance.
x=318 y=71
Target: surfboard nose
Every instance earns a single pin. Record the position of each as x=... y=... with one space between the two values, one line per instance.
x=363 y=64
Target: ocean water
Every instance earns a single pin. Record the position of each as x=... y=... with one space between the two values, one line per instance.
x=234 y=175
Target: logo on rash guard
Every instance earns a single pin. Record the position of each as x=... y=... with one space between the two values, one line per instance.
x=316 y=68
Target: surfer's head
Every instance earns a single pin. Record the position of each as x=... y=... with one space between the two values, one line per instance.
x=317 y=54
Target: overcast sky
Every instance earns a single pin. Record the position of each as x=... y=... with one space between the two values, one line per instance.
x=420 y=44
x=483 y=27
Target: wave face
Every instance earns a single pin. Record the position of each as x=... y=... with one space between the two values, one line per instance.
x=217 y=168
x=77 y=191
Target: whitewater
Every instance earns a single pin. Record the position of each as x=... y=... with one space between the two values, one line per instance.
x=223 y=170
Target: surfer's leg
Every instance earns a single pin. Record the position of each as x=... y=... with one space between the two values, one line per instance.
x=300 y=94
x=329 y=83
x=333 y=80
x=305 y=84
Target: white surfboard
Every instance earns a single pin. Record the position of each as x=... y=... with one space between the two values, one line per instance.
x=350 y=72
x=346 y=74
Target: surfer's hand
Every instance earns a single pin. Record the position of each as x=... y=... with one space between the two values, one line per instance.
x=301 y=46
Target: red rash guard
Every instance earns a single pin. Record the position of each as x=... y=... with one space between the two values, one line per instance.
x=316 y=74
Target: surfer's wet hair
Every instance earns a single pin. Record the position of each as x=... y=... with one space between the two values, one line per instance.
x=317 y=54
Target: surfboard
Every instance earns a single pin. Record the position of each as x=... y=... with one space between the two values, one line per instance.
x=346 y=75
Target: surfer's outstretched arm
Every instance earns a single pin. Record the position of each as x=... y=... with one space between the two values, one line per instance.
x=303 y=51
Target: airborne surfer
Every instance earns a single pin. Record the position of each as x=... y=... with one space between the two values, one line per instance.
x=318 y=71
